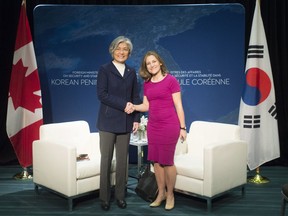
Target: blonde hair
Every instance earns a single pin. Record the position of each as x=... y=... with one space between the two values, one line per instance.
x=144 y=73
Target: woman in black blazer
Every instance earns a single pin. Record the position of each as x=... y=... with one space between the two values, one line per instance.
x=116 y=88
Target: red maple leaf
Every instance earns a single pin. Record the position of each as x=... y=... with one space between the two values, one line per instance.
x=22 y=88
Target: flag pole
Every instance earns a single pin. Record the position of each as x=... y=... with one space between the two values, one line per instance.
x=24 y=175
x=257 y=113
x=257 y=179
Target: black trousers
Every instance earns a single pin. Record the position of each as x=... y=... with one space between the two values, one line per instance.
x=109 y=141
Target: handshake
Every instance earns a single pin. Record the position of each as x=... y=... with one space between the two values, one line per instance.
x=130 y=108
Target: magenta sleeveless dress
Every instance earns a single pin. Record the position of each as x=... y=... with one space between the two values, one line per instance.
x=163 y=127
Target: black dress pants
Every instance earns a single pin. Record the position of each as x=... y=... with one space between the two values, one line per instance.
x=109 y=141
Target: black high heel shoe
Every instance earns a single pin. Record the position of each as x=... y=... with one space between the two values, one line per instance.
x=105 y=205
x=122 y=204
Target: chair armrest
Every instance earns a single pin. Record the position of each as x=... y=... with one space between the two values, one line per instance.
x=225 y=166
x=55 y=161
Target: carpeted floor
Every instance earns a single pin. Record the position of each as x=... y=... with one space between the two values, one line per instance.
x=17 y=197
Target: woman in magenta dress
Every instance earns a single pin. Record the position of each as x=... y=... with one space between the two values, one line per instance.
x=166 y=123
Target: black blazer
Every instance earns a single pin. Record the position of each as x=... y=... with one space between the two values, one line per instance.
x=114 y=91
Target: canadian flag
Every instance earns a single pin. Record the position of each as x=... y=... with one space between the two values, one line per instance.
x=258 y=115
x=24 y=111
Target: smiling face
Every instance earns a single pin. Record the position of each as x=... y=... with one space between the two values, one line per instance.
x=153 y=65
x=121 y=53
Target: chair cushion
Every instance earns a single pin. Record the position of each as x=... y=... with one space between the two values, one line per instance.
x=74 y=133
x=189 y=166
x=181 y=147
x=203 y=133
x=88 y=168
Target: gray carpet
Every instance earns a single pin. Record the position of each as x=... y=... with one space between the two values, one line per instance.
x=17 y=197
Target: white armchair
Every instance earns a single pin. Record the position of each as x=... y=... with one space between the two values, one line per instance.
x=211 y=161
x=55 y=164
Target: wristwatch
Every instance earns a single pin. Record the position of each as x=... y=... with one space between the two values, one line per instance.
x=182 y=128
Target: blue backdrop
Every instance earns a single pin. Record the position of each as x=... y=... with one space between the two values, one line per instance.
x=203 y=46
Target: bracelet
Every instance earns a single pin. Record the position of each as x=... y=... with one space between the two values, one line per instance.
x=183 y=128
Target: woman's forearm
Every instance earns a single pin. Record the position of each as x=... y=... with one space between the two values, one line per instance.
x=141 y=107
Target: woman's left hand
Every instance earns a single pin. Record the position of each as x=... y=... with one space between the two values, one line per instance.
x=183 y=135
x=135 y=126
